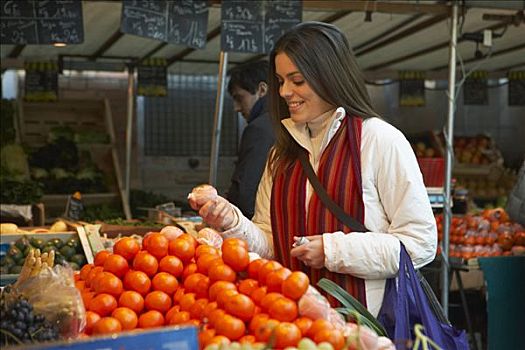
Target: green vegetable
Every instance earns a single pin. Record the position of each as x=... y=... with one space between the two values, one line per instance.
x=351 y=306
x=14 y=162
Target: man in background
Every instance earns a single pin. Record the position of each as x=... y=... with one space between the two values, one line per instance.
x=248 y=87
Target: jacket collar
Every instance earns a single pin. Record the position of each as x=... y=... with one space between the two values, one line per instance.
x=301 y=132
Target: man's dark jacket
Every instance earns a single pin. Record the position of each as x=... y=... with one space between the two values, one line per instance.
x=256 y=140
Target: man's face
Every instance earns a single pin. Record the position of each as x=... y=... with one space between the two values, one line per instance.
x=243 y=101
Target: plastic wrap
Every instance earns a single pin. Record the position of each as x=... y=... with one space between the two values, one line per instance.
x=52 y=293
x=210 y=237
x=315 y=306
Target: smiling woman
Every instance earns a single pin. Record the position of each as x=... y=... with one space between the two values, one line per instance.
x=322 y=113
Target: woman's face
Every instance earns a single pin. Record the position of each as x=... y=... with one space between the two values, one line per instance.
x=303 y=103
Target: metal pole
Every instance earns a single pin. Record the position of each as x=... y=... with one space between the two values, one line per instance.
x=129 y=131
x=447 y=215
x=216 y=137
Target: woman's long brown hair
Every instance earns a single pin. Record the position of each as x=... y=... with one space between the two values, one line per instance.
x=323 y=55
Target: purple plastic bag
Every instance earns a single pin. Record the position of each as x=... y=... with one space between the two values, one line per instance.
x=406 y=304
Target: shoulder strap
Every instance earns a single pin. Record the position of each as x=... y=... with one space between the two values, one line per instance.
x=339 y=213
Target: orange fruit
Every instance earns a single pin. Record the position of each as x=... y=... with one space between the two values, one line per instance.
x=137 y=281
x=217 y=287
x=151 y=319
x=100 y=257
x=91 y=319
x=221 y=272
x=247 y=286
x=103 y=304
x=188 y=270
x=332 y=336
x=236 y=256
x=205 y=249
x=116 y=264
x=171 y=264
x=231 y=327
x=132 y=300
x=110 y=284
x=254 y=266
x=258 y=294
x=265 y=269
x=165 y=282
x=84 y=271
x=182 y=248
x=128 y=318
x=283 y=309
x=317 y=326
x=287 y=335
x=146 y=263
x=275 y=279
x=179 y=317
x=240 y=306
x=205 y=261
x=191 y=282
x=157 y=245
x=126 y=247
x=107 y=325
x=295 y=285
x=304 y=324
x=158 y=300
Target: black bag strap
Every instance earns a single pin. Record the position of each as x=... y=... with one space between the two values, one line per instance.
x=339 y=213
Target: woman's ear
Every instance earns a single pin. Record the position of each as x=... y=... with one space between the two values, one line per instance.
x=262 y=89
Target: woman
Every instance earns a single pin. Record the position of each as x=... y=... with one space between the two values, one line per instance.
x=320 y=105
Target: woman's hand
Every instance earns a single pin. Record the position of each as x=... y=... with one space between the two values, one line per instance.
x=311 y=253
x=219 y=214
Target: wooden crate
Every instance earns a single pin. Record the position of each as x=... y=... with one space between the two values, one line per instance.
x=37 y=119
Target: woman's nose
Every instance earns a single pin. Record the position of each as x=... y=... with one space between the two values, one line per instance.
x=284 y=90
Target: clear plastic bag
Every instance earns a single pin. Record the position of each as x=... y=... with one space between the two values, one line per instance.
x=315 y=306
x=53 y=294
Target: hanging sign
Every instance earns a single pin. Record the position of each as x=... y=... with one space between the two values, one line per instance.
x=517 y=88
x=41 y=81
x=255 y=26
x=411 y=88
x=41 y=22
x=475 y=90
x=183 y=22
x=152 y=77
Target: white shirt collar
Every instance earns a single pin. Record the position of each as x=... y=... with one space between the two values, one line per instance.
x=301 y=132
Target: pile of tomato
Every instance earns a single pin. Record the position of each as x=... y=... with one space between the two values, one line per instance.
x=182 y=282
x=490 y=233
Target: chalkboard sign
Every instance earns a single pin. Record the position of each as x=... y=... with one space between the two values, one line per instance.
x=182 y=22
x=517 y=88
x=255 y=26
x=41 y=81
x=475 y=90
x=152 y=77
x=411 y=89
x=41 y=22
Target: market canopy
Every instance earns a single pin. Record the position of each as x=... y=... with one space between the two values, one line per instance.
x=387 y=37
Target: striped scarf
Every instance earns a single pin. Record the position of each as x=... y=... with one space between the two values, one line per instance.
x=340 y=174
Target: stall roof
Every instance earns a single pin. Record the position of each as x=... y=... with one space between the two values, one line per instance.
x=401 y=35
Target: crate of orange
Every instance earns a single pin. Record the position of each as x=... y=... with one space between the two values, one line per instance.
x=180 y=282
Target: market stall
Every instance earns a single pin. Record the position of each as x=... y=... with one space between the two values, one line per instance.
x=85 y=136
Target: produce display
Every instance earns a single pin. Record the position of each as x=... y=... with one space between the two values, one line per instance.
x=67 y=251
x=233 y=296
x=487 y=234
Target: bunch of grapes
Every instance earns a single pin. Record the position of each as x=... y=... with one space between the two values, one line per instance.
x=19 y=324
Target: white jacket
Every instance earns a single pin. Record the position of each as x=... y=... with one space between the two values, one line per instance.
x=396 y=208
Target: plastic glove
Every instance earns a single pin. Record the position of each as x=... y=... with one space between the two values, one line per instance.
x=200 y=195
x=219 y=214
